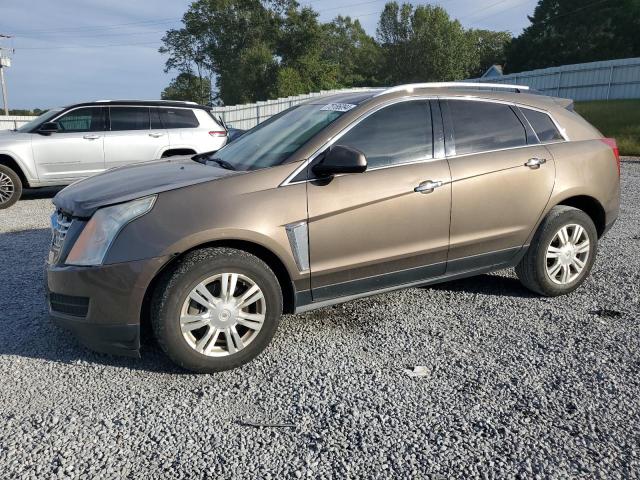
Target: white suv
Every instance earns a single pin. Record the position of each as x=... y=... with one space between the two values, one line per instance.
x=67 y=144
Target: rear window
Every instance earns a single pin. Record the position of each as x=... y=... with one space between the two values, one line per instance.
x=543 y=125
x=129 y=118
x=484 y=126
x=178 y=118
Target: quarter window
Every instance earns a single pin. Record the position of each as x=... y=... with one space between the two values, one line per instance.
x=543 y=125
x=129 y=118
x=178 y=118
x=89 y=119
x=400 y=133
x=484 y=126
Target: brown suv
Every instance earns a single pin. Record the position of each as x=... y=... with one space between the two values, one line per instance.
x=338 y=198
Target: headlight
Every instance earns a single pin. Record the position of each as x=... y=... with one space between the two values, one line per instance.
x=102 y=229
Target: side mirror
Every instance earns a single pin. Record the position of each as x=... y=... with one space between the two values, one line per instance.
x=48 y=128
x=340 y=159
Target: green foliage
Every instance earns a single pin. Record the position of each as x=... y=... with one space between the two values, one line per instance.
x=300 y=49
x=619 y=119
x=356 y=55
x=423 y=44
x=260 y=49
x=24 y=112
x=568 y=31
x=187 y=86
x=487 y=48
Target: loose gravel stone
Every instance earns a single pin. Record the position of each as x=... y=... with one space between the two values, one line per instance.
x=515 y=385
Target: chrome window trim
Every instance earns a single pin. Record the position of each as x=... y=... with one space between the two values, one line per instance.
x=348 y=128
x=103 y=105
x=562 y=132
x=64 y=112
x=288 y=181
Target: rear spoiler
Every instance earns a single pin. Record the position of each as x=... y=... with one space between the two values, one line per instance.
x=564 y=103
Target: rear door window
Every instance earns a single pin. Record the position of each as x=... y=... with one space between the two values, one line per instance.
x=129 y=118
x=542 y=124
x=478 y=126
x=400 y=133
x=178 y=118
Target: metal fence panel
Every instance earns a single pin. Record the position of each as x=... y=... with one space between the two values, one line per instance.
x=249 y=115
x=607 y=80
x=13 y=121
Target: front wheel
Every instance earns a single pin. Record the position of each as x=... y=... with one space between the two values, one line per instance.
x=216 y=310
x=561 y=253
x=10 y=187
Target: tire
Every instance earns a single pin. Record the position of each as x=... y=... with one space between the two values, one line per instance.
x=10 y=187
x=203 y=347
x=546 y=276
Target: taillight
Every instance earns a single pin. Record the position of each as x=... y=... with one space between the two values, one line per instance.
x=616 y=152
x=218 y=133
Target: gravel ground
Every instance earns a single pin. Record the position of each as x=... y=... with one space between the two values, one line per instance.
x=515 y=385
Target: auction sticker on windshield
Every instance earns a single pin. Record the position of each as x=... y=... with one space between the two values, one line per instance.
x=338 y=107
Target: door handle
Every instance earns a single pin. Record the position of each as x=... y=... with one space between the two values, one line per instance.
x=156 y=135
x=91 y=137
x=534 y=163
x=427 y=187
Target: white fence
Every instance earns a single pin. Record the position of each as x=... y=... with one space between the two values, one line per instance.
x=249 y=115
x=12 y=122
x=609 y=80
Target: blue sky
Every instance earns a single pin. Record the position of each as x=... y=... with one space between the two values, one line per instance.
x=76 y=50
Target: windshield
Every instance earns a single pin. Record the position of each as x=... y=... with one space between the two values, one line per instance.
x=28 y=127
x=273 y=141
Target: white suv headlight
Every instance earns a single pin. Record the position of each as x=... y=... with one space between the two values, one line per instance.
x=97 y=236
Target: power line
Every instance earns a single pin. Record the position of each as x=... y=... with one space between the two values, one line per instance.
x=67 y=47
x=100 y=27
x=516 y=5
x=572 y=11
x=488 y=7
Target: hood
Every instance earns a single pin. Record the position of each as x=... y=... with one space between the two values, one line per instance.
x=83 y=198
x=13 y=136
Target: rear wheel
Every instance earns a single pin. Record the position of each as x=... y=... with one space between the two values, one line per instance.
x=218 y=309
x=561 y=253
x=10 y=187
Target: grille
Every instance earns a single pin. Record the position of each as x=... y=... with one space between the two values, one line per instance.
x=69 y=305
x=60 y=223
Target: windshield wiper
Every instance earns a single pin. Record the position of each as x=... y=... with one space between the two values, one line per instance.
x=223 y=163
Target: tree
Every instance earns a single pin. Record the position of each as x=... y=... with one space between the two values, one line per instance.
x=568 y=31
x=187 y=86
x=228 y=39
x=356 y=55
x=303 y=68
x=422 y=44
x=487 y=48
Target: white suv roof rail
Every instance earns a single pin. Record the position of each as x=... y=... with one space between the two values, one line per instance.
x=150 y=101
x=473 y=85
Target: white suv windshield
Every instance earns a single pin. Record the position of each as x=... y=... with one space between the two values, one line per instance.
x=273 y=141
x=45 y=117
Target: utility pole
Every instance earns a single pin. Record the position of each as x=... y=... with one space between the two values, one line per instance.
x=5 y=62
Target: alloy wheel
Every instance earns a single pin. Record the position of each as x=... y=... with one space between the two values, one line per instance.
x=7 y=188
x=567 y=254
x=223 y=314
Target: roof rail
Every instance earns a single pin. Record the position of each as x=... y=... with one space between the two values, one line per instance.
x=473 y=85
x=143 y=101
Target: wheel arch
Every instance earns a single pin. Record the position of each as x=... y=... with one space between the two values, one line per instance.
x=591 y=206
x=178 y=151
x=263 y=253
x=9 y=161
